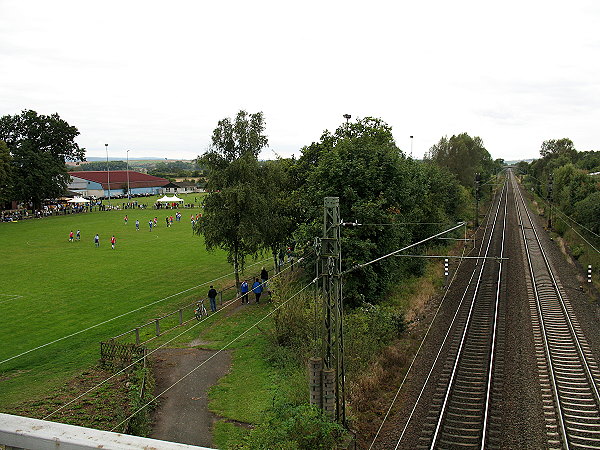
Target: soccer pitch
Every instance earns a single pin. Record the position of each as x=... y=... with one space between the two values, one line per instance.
x=51 y=288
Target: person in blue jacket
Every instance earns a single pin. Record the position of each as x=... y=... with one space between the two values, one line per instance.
x=244 y=290
x=257 y=289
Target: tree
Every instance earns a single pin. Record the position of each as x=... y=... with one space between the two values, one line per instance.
x=587 y=212
x=5 y=172
x=235 y=207
x=558 y=147
x=378 y=187
x=39 y=146
x=464 y=156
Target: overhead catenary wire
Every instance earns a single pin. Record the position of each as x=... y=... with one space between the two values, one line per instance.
x=96 y=386
x=214 y=354
x=119 y=316
x=360 y=266
x=421 y=346
x=417 y=353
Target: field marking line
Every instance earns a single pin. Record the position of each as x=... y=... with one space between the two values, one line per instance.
x=119 y=316
x=12 y=297
x=226 y=305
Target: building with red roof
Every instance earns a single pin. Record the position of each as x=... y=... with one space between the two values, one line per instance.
x=96 y=183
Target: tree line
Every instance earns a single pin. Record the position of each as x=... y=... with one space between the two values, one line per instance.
x=574 y=191
x=257 y=206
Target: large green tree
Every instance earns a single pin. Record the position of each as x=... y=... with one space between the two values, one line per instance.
x=379 y=188
x=235 y=207
x=464 y=156
x=39 y=146
x=558 y=147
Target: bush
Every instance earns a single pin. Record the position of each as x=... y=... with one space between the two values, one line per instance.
x=367 y=331
x=577 y=251
x=296 y=427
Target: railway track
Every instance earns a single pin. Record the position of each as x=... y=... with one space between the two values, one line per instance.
x=568 y=372
x=461 y=410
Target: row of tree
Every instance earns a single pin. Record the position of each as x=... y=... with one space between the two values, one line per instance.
x=574 y=191
x=256 y=206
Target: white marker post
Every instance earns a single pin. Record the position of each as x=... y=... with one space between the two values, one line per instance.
x=446 y=271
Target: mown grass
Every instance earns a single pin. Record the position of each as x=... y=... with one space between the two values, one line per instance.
x=51 y=288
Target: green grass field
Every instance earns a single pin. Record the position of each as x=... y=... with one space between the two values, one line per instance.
x=50 y=288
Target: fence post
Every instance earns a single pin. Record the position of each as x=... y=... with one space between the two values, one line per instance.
x=137 y=336
x=157 y=324
x=589 y=277
x=180 y=316
x=220 y=297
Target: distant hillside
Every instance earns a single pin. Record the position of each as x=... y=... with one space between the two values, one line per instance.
x=509 y=163
x=148 y=158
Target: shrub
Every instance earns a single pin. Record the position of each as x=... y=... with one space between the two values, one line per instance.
x=367 y=331
x=296 y=427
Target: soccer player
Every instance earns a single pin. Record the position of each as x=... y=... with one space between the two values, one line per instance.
x=71 y=236
x=113 y=241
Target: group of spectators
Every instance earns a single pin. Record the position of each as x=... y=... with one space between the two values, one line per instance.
x=258 y=287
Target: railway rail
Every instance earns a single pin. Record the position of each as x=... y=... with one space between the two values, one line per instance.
x=460 y=413
x=568 y=372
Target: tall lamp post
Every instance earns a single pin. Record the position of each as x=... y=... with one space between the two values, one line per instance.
x=128 y=194
x=347 y=117
x=108 y=171
x=411 y=142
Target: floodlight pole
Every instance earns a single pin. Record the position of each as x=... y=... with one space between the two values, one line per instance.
x=108 y=170
x=128 y=192
x=411 y=146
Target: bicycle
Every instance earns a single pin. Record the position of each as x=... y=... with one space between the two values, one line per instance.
x=200 y=310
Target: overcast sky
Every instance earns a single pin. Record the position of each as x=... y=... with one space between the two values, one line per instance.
x=156 y=77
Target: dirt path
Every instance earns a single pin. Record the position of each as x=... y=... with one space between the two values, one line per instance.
x=182 y=415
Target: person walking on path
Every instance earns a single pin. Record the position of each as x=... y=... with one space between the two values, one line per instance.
x=244 y=291
x=113 y=241
x=257 y=288
x=78 y=235
x=97 y=240
x=137 y=225
x=264 y=276
x=212 y=296
x=71 y=236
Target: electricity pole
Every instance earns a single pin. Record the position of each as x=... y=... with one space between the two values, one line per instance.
x=550 y=198
x=477 y=187
x=334 y=385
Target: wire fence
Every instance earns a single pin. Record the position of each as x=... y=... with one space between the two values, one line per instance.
x=147 y=332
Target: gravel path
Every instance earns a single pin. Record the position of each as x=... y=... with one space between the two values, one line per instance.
x=182 y=415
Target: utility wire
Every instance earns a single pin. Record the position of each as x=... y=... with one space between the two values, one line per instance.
x=360 y=266
x=215 y=354
x=119 y=316
x=417 y=353
x=226 y=305
x=420 y=347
